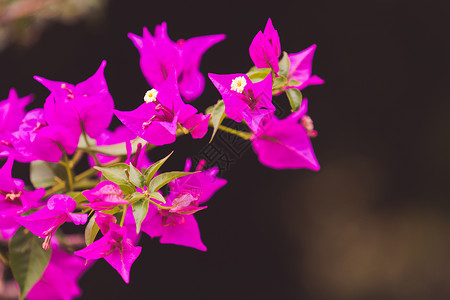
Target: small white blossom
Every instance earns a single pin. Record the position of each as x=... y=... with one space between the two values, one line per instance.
x=150 y=96
x=238 y=84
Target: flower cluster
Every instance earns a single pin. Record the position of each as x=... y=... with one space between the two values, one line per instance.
x=119 y=195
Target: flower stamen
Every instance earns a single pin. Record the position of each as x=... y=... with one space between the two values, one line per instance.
x=238 y=84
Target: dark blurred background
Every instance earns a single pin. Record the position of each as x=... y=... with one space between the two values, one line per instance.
x=373 y=223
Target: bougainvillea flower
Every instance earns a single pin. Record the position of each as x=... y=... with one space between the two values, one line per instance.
x=265 y=48
x=285 y=144
x=157 y=119
x=116 y=248
x=43 y=141
x=300 y=68
x=87 y=104
x=244 y=99
x=159 y=54
x=12 y=111
x=59 y=281
x=106 y=195
x=202 y=184
x=14 y=200
x=47 y=220
x=177 y=225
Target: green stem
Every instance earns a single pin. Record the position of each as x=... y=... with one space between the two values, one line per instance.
x=67 y=165
x=125 y=207
x=241 y=134
x=159 y=205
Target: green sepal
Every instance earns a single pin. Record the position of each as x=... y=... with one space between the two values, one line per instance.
x=157 y=196
x=136 y=196
x=162 y=179
x=115 y=173
x=136 y=177
x=256 y=75
x=140 y=210
x=27 y=259
x=127 y=189
x=151 y=171
x=284 y=65
x=43 y=174
x=295 y=98
x=217 y=116
x=90 y=233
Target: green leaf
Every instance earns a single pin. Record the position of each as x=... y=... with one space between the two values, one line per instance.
x=136 y=177
x=44 y=174
x=119 y=149
x=140 y=209
x=295 y=98
x=293 y=82
x=77 y=196
x=151 y=171
x=91 y=231
x=217 y=116
x=284 y=65
x=136 y=196
x=256 y=75
x=164 y=178
x=115 y=173
x=157 y=196
x=127 y=189
x=27 y=259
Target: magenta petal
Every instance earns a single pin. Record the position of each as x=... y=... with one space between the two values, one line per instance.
x=30 y=199
x=59 y=280
x=197 y=125
x=157 y=133
x=272 y=36
x=285 y=144
x=153 y=224
x=12 y=111
x=186 y=234
x=192 y=84
x=103 y=221
x=61 y=203
x=121 y=260
x=234 y=105
x=7 y=183
x=42 y=220
x=62 y=113
x=45 y=145
x=262 y=53
x=98 y=249
x=78 y=219
x=106 y=195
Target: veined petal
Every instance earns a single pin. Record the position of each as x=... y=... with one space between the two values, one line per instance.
x=186 y=234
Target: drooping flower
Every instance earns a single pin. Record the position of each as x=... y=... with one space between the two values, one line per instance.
x=265 y=48
x=159 y=55
x=87 y=105
x=157 y=121
x=59 y=281
x=14 y=200
x=285 y=144
x=48 y=219
x=178 y=225
x=244 y=99
x=106 y=195
x=35 y=139
x=116 y=248
x=12 y=111
x=300 y=69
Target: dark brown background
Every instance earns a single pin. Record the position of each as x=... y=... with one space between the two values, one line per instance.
x=374 y=223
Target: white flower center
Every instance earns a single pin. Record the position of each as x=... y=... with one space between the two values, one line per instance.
x=150 y=96
x=238 y=84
